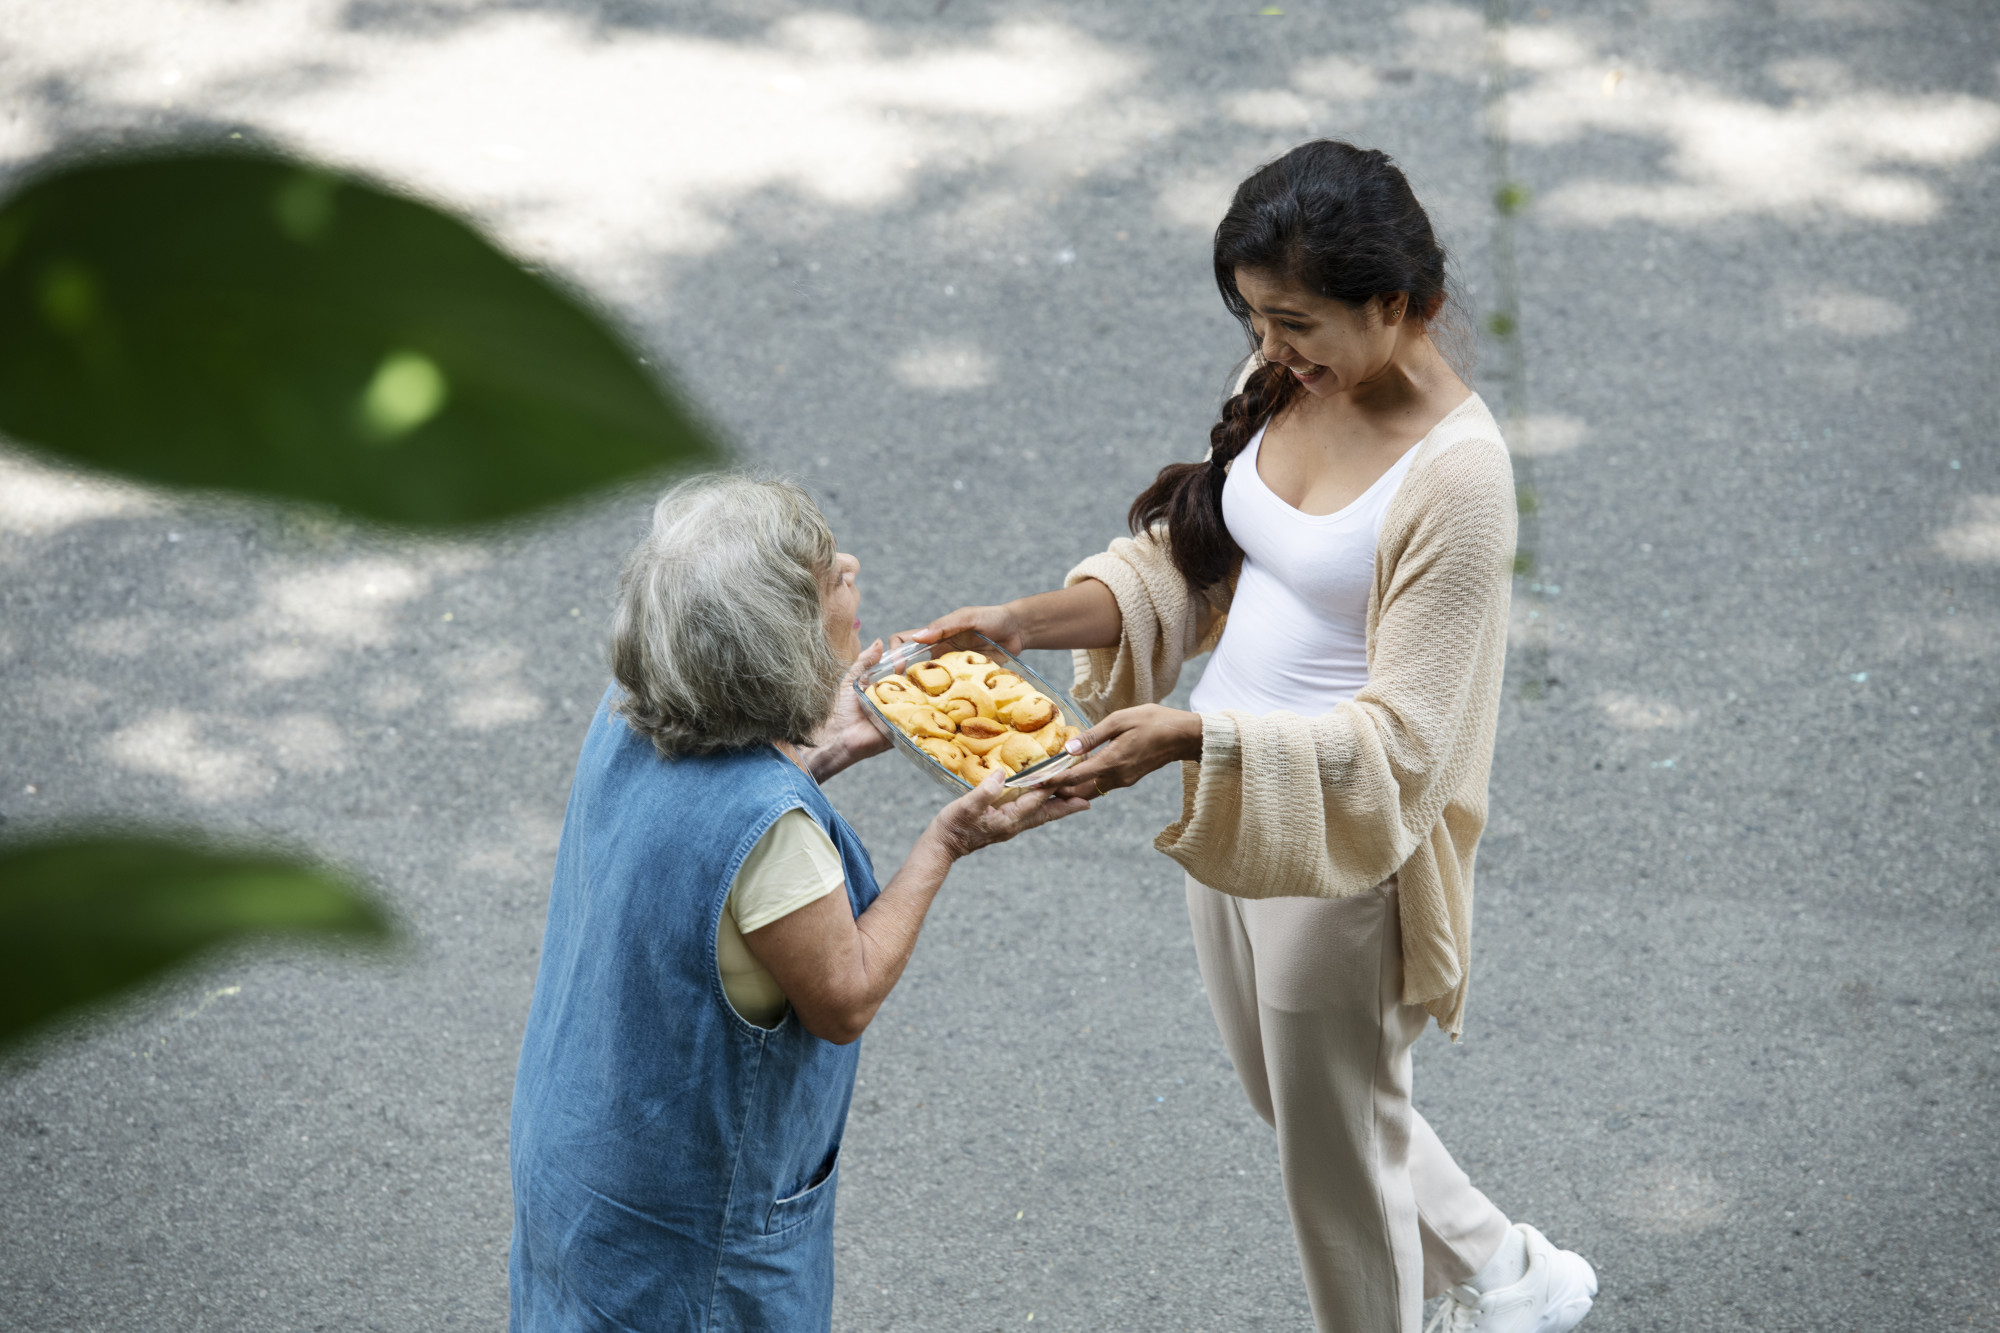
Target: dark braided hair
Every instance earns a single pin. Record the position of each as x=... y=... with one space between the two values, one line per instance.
x=1332 y=219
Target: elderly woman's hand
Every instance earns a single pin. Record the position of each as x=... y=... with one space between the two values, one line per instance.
x=974 y=821
x=848 y=735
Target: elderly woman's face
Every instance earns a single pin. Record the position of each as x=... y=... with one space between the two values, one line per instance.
x=843 y=607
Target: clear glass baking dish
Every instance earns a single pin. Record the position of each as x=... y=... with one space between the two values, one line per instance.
x=899 y=660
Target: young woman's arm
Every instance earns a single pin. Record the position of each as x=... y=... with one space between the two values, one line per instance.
x=1137 y=615
x=837 y=968
x=1084 y=615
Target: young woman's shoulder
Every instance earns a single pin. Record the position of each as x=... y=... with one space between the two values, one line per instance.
x=1464 y=461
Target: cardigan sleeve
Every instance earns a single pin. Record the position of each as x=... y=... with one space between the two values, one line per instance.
x=1163 y=622
x=1284 y=806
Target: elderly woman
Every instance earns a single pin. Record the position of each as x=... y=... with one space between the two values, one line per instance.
x=716 y=940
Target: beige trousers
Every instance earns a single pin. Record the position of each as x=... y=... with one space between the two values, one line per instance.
x=1308 y=995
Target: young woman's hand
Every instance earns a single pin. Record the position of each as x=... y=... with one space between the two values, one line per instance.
x=1128 y=745
x=974 y=821
x=998 y=623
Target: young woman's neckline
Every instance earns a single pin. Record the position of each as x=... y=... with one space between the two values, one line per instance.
x=1401 y=464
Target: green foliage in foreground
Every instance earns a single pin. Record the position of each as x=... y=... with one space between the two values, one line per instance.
x=92 y=915
x=239 y=320
x=234 y=319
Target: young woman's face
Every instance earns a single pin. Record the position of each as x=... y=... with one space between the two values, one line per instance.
x=1329 y=346
x=842 y=606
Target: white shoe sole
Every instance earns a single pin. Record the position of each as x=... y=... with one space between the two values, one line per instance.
x=1572 y=1285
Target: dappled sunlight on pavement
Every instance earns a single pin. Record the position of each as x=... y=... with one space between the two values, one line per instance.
x=578 y=146
x=947 y=263
x=1845 y=150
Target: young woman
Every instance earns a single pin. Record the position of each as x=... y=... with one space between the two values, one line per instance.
x=1346 y=550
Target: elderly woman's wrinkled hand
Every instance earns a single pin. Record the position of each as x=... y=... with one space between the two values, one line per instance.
x=848 y=735
x=974 y=821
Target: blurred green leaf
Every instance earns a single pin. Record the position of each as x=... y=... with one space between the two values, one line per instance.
x=1500 y=324
x=235 y=319
x=88 y=917
x=1511 y=198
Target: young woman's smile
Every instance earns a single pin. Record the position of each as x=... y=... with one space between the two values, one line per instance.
x=1329 y=346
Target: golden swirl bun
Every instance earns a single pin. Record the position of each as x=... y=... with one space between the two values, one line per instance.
x=957 y=708
x=894 y=690
x=930 y=677
x=904 y=715
x=1054 y=736
x=973 y=691
x=1017 y=751
x=976 y=769
x=930 y=722
x=945 y=752
x=1032 y=712
x=963 y=663
x=1008 y=693
x=981 y=734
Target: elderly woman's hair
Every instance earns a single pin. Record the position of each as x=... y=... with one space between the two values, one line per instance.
x=718 y=642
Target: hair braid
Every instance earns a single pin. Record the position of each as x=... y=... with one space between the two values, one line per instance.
x=1187 y=497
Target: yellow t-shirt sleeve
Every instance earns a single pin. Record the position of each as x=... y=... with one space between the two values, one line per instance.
x=793 y=864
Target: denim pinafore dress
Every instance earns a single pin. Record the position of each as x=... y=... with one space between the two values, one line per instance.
x=673 y=1165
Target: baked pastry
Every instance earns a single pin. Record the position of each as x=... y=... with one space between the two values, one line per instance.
x=963 y=662
x=1016 y=751
x=929 y=722
x=978 y=735
x=903 y=715
x=1007 y=690
x=932 y=678
x=1031 y=712
x=977 y=768
x=974 y=693
x=973 y=715
x=1054 y=736
x=945 y=752
x=895 y=690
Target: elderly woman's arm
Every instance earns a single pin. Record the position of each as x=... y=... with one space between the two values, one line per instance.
x=836 y=968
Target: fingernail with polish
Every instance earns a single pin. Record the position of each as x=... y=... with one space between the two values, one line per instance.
x=1074 y=745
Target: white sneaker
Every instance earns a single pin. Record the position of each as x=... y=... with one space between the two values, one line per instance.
x=1552 y=1297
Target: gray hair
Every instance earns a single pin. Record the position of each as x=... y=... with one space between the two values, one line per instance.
x=718 y=641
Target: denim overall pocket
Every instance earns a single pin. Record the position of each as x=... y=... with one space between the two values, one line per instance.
x=809 y=1203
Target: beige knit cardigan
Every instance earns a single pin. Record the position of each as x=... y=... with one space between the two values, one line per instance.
x=1392 y=782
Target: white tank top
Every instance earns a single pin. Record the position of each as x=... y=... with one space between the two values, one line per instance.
x=1297 y=635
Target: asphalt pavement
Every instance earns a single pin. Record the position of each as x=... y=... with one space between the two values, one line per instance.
x=1734 y=1027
